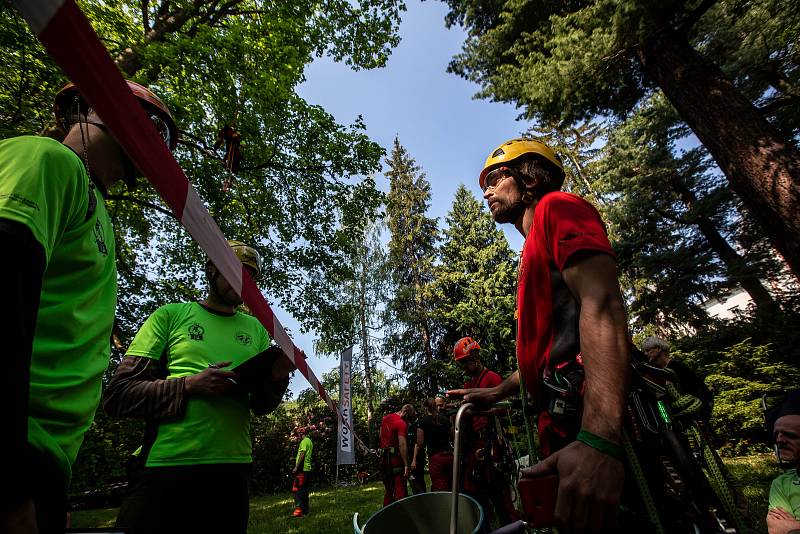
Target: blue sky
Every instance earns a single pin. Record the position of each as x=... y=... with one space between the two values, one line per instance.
x=432 y=112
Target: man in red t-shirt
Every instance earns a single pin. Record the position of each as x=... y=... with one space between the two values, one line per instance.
x=481 y=478
x=569 y=305
x=394 y=452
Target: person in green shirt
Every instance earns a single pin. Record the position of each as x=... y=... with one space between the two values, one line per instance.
x=59 y=275
x=783 y=422
x=302 y=471
x=182 y=373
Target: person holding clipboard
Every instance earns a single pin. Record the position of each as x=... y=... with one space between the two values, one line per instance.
x=194 y=371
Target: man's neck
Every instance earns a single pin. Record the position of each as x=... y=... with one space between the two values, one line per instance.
x=525 y=221
x=215 y=303
x=104 y=155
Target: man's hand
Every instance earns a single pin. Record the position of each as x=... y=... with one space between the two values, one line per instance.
x=480 y=396
x=211 y=381
x=589 y=487
x=779 y=521
x=414 y=465
x=294 y=471
x=406 y=472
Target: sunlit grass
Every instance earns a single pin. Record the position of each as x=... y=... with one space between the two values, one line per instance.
x=331 y=511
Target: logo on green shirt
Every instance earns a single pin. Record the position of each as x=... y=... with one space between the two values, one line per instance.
x=243 y=338
x=99 y=237
x=196 y=332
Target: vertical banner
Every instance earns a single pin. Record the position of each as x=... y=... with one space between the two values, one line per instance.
x=345 y=452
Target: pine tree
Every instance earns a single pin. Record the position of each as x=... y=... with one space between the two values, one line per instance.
x=412 y=249
x=475 y=285
x=676 y=227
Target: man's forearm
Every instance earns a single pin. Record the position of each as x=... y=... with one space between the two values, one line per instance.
x=604 y=347
x=137 y=390
x=509 y=386
x=403 y=450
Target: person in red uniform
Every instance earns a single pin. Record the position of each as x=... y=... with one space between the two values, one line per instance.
x=433 y=436
x=394 y=460
x=481 y=478
x=569 y=304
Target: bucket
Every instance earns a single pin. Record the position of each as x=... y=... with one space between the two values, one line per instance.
x=425 y=513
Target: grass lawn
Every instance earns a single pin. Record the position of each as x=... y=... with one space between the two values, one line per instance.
x=332 y=510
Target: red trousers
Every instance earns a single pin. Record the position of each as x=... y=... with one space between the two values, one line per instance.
x=394 y=483
x=440 y=465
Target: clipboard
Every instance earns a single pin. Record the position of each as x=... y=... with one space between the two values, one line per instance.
x=254 y=372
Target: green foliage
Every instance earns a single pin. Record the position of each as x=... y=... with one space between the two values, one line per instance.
x=106 y=447
x=743 y=360
x=474 y=286
x=568 y=61
x=674 y=224
x=412 y=249
x=299 y=195
x=753 y=475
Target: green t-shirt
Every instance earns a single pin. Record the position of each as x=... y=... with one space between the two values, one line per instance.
x=44 y=185
x=214 y=429
x=785 y=493
x=306 y=446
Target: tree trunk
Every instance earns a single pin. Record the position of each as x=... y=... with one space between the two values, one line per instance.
x=761 y=166
x=737 y=267
x=365 y=351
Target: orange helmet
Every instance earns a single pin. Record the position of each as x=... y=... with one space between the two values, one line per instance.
x=464 y=347
x=159 y=112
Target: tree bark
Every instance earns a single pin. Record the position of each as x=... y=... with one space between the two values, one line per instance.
x=365 y=350
x=762 y=167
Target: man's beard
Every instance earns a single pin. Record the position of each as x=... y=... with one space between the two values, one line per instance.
x=509 y=214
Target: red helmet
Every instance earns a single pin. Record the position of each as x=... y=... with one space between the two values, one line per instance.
x=65 y=99
x=464 y=347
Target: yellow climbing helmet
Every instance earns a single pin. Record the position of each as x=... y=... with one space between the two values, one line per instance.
x=247 y=255
x=515 y=148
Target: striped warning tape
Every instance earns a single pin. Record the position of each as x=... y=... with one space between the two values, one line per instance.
x=72 y=43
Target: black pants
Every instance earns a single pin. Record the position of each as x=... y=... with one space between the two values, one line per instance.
x=191 y=498
x=49 y=493
x=301 y=495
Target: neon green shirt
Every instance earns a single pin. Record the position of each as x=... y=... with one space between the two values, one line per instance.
x=44 y=185
x=306 y=446
x=785 y=493
x=214 y=429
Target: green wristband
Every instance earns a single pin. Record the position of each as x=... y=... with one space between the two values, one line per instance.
x=600 y=444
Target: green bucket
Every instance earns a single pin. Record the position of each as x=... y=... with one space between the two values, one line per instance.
x=425 y=513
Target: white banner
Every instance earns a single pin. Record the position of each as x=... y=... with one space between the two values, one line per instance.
x=345 y=451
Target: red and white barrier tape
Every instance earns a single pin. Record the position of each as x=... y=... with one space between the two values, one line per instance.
x=72 y=43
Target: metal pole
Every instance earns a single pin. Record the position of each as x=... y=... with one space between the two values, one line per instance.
x=456 y=467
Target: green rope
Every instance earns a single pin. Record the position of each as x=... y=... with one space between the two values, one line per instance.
x=717 y=478
x=522 y=392
x=683 y=404
x=641 y=482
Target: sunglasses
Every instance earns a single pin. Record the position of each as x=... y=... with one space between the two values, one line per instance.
x=493 y=179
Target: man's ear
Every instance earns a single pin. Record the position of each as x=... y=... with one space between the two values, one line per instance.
x=210 y=270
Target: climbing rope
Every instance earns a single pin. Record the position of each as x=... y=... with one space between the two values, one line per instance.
x=641 y=483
